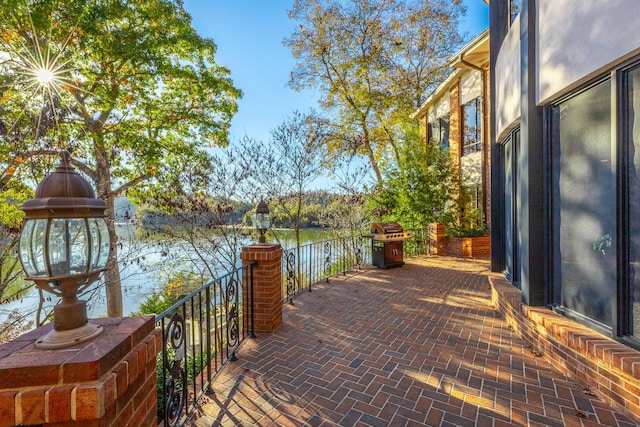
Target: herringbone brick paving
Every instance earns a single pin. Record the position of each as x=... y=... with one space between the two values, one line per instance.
x=411 y=346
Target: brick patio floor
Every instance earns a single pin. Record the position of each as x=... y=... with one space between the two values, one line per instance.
x=411 y=346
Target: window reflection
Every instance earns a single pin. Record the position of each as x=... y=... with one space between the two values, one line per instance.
x=514 y=9
x=584 y=200
x=439 y=131
x=633 y=135
x=472 y=126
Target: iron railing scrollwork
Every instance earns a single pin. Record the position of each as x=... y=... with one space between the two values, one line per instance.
x=312 y=263
x=290 y=277
x=327 y=259
x=173 y=340
x=200 y=333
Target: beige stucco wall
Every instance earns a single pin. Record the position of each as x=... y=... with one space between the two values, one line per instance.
x=470 y=86
x=507 y=81
x=440 y=108
x=579 y=39
x=471 y=166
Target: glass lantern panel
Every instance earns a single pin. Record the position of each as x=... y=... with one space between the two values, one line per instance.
x=58 y=242
x=32 y=244
x=100 y=243
x=262 y=221
x=79 y=245
x=68 y=246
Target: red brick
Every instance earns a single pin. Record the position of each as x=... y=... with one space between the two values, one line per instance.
x=7 y=408
x=122 y=378
x=132 y=364
x=58 y=401
x=28 y=370
x=87 y=402
x=142 y=357
x=137 y=328
x=31 y=406
x=110 y=391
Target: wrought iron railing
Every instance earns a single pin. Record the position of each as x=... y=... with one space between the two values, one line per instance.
x=314 y=262
x=418 y=244
x=201 y=332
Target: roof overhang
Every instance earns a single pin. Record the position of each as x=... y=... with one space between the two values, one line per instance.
x=471 y=57
x=435 y=95
x=476 y=53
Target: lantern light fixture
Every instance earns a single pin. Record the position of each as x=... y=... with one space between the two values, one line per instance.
x=262 y=220
x=64 y=246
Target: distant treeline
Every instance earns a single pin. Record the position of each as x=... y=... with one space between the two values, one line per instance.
x=220 y=213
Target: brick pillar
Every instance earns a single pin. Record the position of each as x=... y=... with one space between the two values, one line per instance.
x=109 y=381
x=437 y=239
x=267 y=285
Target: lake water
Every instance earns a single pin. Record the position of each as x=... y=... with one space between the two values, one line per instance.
x=144 y=267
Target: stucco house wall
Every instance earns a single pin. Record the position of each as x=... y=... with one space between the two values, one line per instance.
x=562 y=76
x=577 y=39
x=507 y=81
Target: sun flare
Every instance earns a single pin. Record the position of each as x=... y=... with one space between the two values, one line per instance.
x=44 y=76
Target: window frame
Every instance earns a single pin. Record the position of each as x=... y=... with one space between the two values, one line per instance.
x=622 y=316
x=476 y=144
x=439 y=124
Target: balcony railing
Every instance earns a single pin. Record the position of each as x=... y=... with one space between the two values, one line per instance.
x=418 y=244
x=314 y=262
x=200 y=333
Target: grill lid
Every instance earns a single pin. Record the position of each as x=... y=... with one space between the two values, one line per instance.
x=386 y=227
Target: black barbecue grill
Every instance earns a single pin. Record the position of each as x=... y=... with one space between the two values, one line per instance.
x=386 y=244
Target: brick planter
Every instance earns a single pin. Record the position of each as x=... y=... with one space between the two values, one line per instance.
x=461 y=247
x=469 y=247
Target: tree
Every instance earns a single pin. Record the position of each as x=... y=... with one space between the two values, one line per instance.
x=128 y=87
x=344 y=213
x=288 y=165
x=373 y=62
x=417 y=186
x=206 y=225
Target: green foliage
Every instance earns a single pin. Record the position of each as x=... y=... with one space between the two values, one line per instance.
x=418 y=185
x=193 y=364
x=602 y=243
x=373 y=62
x=175 y=287
x=463 y=217
x=135 y=95
x=11 y=197
x=457 y=230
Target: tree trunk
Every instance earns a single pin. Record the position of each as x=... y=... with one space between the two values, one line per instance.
x=371 y=154
x=376 y=170
x=113 y=284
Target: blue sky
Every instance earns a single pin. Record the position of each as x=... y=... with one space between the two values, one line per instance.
x=249 y=36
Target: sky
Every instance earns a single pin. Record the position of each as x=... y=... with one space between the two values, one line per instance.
x=249 y=35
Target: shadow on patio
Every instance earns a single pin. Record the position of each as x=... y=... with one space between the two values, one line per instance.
x=417 y=345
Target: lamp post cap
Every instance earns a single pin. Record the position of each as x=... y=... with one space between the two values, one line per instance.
x=64 y=193
x=262 y=207
x=65 y=181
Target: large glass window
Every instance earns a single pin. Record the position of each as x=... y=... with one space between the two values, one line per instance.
x=439 y=131
x=632 y=136
x=472 y=126
x=584 y=205
x=511 y=245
